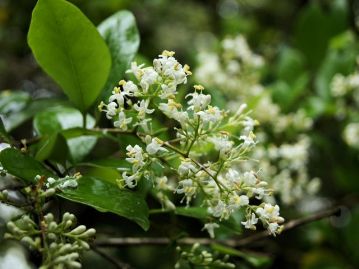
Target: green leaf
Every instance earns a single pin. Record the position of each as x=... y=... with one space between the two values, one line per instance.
x=15 y=119
x=254 y=259
x=192 y=212
x=54 y=148
x=60 y=118
x=101 y=195
x=21 y=165
x=69 y=48
x=315 y=27
x=290 y=65
x=107 y=197
x=3 y=134
x=13 y=101
x=121 y=35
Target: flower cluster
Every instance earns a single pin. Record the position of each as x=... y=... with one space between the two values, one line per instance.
x=199 y=156
x=345 y=91
x=236 y=71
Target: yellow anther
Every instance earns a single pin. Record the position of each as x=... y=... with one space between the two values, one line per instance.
x=168 y=53
x=122 y=82
x=198 y=87
x=186 y=69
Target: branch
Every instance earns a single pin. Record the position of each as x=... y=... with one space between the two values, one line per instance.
x=116 y=263
x=134 y=241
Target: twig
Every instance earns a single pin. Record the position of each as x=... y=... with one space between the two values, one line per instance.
x=134 y=241
x=116 y=263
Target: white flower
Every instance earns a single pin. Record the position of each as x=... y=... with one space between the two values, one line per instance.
x=136 y=157
x=249 y=124
x=232 y=176
x=148 y=78
x=111 y=110
x=222 y=144
x=143 y=109
x=273 y=228
x=155 y=146
x=186 y=168
x=249 y=178
x=168 y=91
x=236 y=201
x=212 y=114
x=136 y=70
x=260 y=192
x=250 y=223
x=210 y=228
x=269 y=213
x=118 y=96
x=248 y=140
x=122 y=121
x=130 y=181
x=219 y=211
x=169 y=68
x=130 y=88
x=199 y=101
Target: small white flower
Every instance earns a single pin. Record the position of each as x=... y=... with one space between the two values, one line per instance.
x=232 y=176
x=248 y=140
x=148 y=78
x=273 y=228
x=155 y=146
x=122 y=121
x=130 y=88
x=251 y=223
x=111 y=110
x=219 y=211
x=118 y=96
x=212 y=114
x=236 y=201
x=136 y=70
x=210 y=228
x=186 y=168
x=130 y=181
x=136 y=157
x=222 y=144
x=199 y=101
x=249 y=178
x=142 y=108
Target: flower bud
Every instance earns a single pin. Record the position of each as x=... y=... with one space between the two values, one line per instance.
x=78 y=230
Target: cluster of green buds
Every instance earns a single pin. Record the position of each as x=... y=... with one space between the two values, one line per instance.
x=59 y=243
x=197 y=256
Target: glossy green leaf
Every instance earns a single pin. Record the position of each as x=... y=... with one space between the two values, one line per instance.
x=61 y=118
x=122 y=37
x=54 y=148
x=69 y=48
x=107 y=197
x=22 y=165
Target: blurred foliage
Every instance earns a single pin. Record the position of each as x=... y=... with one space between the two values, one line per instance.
x=305 y=43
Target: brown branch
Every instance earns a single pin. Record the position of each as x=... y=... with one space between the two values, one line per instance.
x=135 y=241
